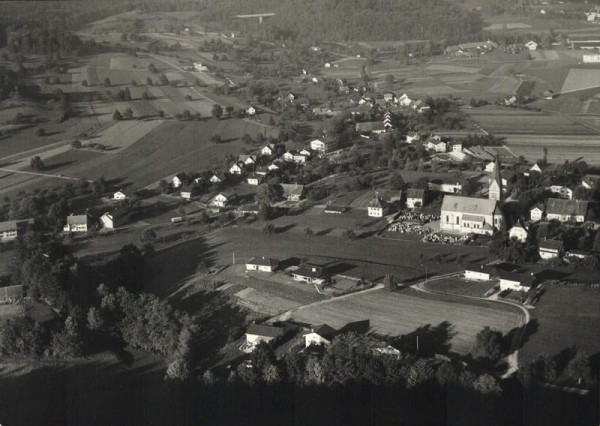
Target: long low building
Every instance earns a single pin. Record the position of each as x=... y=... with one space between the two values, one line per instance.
x=10 y=230
x=466 y=215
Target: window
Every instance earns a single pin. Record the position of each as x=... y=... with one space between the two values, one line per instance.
x=447 y=219
x=457 y=220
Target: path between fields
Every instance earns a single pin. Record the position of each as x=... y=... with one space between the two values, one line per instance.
x=513 y=358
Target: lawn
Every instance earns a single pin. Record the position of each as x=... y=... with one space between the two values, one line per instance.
x=565 y=316
x=461 y=287
x=452 y=324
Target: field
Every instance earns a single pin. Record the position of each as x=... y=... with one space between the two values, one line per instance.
x=565 y=316
x=396 y=314
x=461 y=287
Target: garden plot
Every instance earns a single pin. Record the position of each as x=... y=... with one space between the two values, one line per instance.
x=264 y=302
x=144 y=109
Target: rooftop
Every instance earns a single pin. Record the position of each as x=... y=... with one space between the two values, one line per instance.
x=265 y=330
x=468 y=205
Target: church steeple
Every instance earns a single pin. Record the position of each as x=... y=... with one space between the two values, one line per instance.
x=495 y=186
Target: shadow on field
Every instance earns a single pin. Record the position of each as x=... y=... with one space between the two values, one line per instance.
x=528 y=330
x=431 y=339
x=51 y=167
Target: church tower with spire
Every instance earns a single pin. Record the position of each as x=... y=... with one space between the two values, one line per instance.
x=495 y=186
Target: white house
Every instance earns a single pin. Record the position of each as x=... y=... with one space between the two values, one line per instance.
x=415 y=198
x=536 y=213
x=518 y=232
x=262 y=264
x=215 y=178
x=436 y=146
x=248 y=160
x=251 y=111
x=535 y=168
x=115 y=218
x=388 y=97
x=254 y=179
x=404 y=100
x=272 y=167
x=562 y=191
x=187 y=192
x=490 y=167
x=375 y=208
x=515 y=281
x=10 y=230
x=268 y=150
x=478 y=272
x=292 y=192
x=467 y=215
x=76 y=223
x=531 y=45
x=177 y=181
x=327 y=65
x=319 y=335
x=199 y=67
x=222 y=199
x=235 y=169
x=309 y=273
x=445 y=185
x=413 y=137
x=566 y=210
x=550 y=249
x=119 y=195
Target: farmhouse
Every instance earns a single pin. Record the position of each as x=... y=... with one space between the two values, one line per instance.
x=292 y=192
x=515 y=281
x=404 y=100
x=76 y=223
x=375 y=208
x=550 y=249
x=536 y=213
x=199 y=67
x=11 y=294
x=320 y=335
x=11 y=229
x=247 y=159
x=415 y=198
x=251 y=111
x=119 y=195
x=310 y=273
x=178 y=180
x=217 y=178
x=562 y=191
x=262 y=264
x=467 y=215
x=187 y=191
x=413 y=137
x=258 y=333
x=479 y=272
x=115 y=218
x=518 y=232
x=566 y=210
x=255 y=179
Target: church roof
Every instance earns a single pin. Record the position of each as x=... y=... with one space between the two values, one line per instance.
x=469 y=205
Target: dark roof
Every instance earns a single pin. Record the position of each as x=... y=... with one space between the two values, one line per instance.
x=12 y=225
x=566 y=207
x=306 y=271
x=118 y=212
x=77 y=219
x=249 y=208
x=375 y=203
x=292 y=189
x=370 y=126
x=415 y=193
x=324 y=330
x=263 y=261
x=551 y=244
x=480 y=268
x=265 y=330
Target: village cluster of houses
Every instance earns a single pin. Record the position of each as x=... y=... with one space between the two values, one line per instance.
x=476 y=48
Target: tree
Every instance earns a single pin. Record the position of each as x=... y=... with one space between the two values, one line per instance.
x=128 y=114
x=149 y=81
x=107 y=82
x=117 y=115
x=389 y=281
x=40 y=132
x=579 y=368
x=76 y=144
x=216 y=139
x=163 y=79
x=267 y=193
x=269 y=229
x=487 y=384
x=148 y=237
x=539 y=370
x=488 y=345
x=396 y=181
x=349 y=234
x=308 y=232
x=217 y=111
x=161 y=113
x=36 y=163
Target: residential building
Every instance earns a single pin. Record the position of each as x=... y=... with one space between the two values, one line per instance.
x=320 y=335
x=447 y=185
x=323 y=146
x=536 y=213
x=389 y=97
x=115 y=218
x=268 y=150
x=436 y=146
x=251 y=111
x=535 y=168
x=178 y=180
x=11 y=294
x=310 y=273
x=375 y=127
x=119 y=195
x=76 y=223
x=271 y=167
x=531 y=45
x=248 y=209
x=375 y=208
x=550 y=249
x=562 y=191
x=413 y=137
x=330 y=209
x=415 y=198
x=590 y=181
x=187 y=191
x=236 y=169
x=217 y=178
x=292 y=192
x=262 y=264
x=518 y=232
x=404 y=100
x=477 y=272
x=259 y=333
x=566 y=210
x=223 y=199
x=247 y=160
x=254 y=179
x=10 y=230
x=515 y=281
x=579 y=254
x=467 y=215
